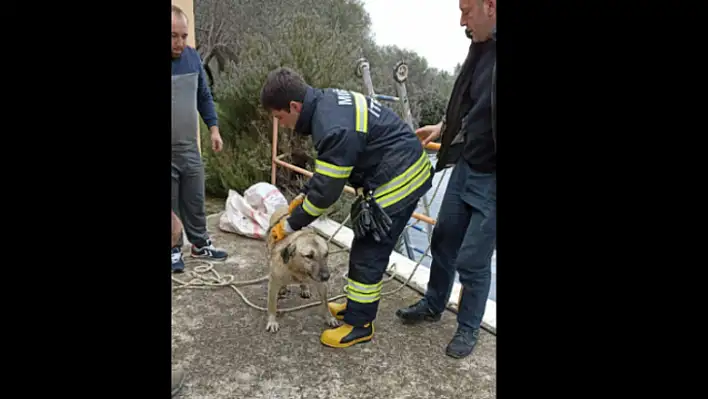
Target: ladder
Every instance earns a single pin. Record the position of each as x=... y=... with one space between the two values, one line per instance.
x=400 y=75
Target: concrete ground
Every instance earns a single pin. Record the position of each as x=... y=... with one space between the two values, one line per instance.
x=224 y=347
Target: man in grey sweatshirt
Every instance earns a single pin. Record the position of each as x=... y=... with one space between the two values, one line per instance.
x=190 y=99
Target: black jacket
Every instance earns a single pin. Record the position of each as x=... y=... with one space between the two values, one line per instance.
x=494 y=94
x=362 y=142
x=471 y=112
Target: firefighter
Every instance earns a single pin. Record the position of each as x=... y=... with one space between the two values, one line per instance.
x=368 y=145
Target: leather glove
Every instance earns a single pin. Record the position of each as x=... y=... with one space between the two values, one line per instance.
x=296 y=202
x=355 y=210
x=382 y=218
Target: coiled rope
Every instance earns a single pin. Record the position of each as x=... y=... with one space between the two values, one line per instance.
x=204 y=276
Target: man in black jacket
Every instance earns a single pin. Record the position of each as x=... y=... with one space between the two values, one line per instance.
x=464 y=236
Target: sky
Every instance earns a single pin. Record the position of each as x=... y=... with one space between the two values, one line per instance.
x=431 y=29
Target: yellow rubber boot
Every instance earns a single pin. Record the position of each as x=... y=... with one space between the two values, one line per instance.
x=337 y=309
x=345 y=335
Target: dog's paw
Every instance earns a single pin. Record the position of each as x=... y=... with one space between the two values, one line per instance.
x=272 y=326
x=283 y=292
x=332 y=321
x=305 y=292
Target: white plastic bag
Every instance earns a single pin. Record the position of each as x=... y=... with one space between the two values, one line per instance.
x=249 y=215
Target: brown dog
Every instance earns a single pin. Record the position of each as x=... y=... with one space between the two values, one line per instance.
x=300 y=257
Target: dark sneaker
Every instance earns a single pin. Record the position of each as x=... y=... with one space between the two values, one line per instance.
x=208 y=251
x=420 y=311
x=177 y=261
x=462 y=343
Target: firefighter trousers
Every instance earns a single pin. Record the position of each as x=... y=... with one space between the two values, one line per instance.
x=368 y=261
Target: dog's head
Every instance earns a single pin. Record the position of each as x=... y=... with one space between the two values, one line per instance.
x=308 y=255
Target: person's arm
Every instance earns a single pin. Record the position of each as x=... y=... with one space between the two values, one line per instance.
x=337 y=155
x=205 y=102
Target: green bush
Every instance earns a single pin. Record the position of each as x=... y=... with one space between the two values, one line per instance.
x=323 y=44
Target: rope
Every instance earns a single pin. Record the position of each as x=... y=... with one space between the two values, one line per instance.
x=205 y=276
x=201 y=280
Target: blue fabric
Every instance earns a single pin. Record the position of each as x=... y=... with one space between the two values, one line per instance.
x=190 y=62
x=463 y=240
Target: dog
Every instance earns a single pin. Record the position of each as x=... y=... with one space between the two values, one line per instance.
x=300 y=257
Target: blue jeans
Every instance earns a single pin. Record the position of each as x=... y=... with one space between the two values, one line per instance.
x=463 y=240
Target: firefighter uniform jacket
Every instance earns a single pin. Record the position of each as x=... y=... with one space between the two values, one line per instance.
x=361 y=142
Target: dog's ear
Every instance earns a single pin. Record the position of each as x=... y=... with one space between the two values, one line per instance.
x=287 y=253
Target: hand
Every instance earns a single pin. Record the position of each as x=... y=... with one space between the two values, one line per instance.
x=428 y=133
x=279 y=231
x=216 y=143
x=296 y=202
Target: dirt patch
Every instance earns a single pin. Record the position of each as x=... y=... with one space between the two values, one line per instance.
x=223 y=345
